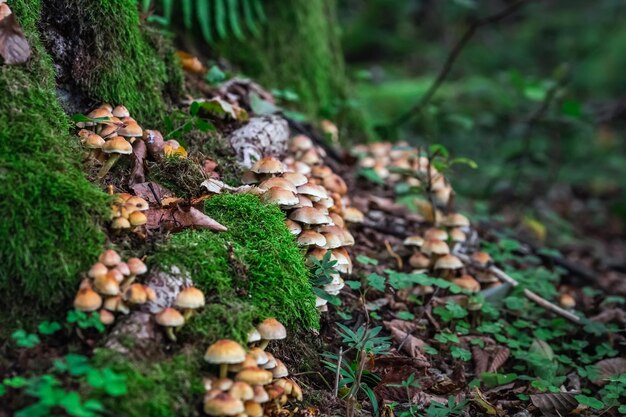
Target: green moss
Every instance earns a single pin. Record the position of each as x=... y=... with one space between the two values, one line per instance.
x=48 y=233
x=183 y=176
x=168 y=387
x=252 y=271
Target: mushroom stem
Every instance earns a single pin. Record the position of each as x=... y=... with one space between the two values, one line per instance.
x=263 y=344
x=169 y=332
x=223 y=370
x=128 y=281
x=187 y=314
x=108 y=165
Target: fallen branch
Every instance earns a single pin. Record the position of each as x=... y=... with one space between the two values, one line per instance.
x=504 y=277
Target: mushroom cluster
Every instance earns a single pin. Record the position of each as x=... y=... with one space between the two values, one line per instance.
x=252 y=383
x=315 y=201
x=110 y=135
x=111 y=287
x=127 y=212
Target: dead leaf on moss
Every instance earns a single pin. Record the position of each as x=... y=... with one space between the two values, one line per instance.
x=179 y=218
x=14 y=48
x=608 y=368
x=554 y=404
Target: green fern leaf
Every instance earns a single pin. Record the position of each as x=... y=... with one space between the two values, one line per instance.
x=187 y=13
x=233 y=17
x=168 y=5
x=204 y=17
x=260 y=12
x=249 y=18
x=145 y=5
x=220 y=18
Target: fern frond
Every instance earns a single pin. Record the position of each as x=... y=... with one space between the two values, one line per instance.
x=145 y=5
x=249 y=18
x=187 y=14
x=233 y=18
x=168 y=5
x=220 y=18
x=259 y=10
x=204 y=17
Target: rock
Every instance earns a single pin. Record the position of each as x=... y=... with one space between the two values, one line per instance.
x=262 y=136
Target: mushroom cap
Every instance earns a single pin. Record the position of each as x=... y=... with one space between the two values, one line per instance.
x=106 y=317
x=223 y=405
x=131 y=130
x=253 y=408
x=437 y=234
x=123 y=268
x=87 y=300
x=279 y=182
x=110 y=128
x=277 y=195
x=116 y=304
x=225 y=351
x=136 y=266
x=280 y=371
x=110 y=258
x=121 y=111
x=259 y=355
x=457 y=235
x=309 y=215
x=296 y=178
x=296 y=391
x=97 y=269
x=414 y=240
x=337 y=219
x=303 y=201
x=481 y=258
x=242 y=391
x=268 y=165
x=353 y=215
x=567 y=301
x=117 y=145
x=271 y=361
x=136 y=294
x=260 y=395
x=254 y=335
x=190 y=298
x=311 y=157
x=435 y=247
x=311 y=238
x=223 y=384
x=456 y=220
x=320 y=301
x=137 y=218
x=107 y=284
x=119 y=223
x=170 y=317
x=321 y=171
x=467 y=282
x=99 y=113
x=300 y=143
x=138 y=203
x=448 y=262
x=335 y=184
x=419 y=260
x=293 y=227
x=94 y=141
x=254 y=376
x=301 y=167
x=272 y=329
x=313 y=191
x=247 y=363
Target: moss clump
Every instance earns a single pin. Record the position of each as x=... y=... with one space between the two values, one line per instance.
x=183 y=176
x=167 y=387
x=250 y=272
x=121 y=60
x=48 y=230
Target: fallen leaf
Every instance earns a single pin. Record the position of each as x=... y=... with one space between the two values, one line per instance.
x=500 y=358
x=154 y=143
x=212 y=185
x=14 y=48
x=178 y=218
x=608 y=368
x=152 y=192
x=409 y=343
x=481 y=360
x=480 y=399
x=403 y=325
x=138 y=173
x=554 y=404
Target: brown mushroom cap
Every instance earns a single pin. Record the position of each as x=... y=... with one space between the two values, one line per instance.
x=99 y=113
x=435 y=247
x=279 y=182
x=170 y=317
x=567 y=301
x=437 y=234
x=457 y=235
x=300 y=143
x=190 y=298
x=116 y=304
x=131 y=130
x=248 y=362
x=271 y=361
x=268 y=165
x=419 y=260
x=117 y=145
x=138 y=203
x=272 y=329
x=482 y=259
x=242 y=391
x=295 y=178
x=137 y=218
x=311 y=157
x=321 y=171
x=107 y=284
x=225 y=351
x=301 y=167
x=353 y=215
x=254 y=376
x=467 y=282
x=309 y=215
x=311 y=238
x=313 y=191
x=223 y=384
x=335 y=184
x=303 y=201
x=87 y=300
x=415 y=240
x=253 y=409
x=120 y=223
x=136 y=266
x=277 y=195
x=253 y=335
x=448 y=262
x=337 y=219
x=106 y=317
x=456 y=220
x=223 y=405
x=259 y=355
x=280 y=370
x=97 y=269
x=122 y=268
x=93 y=141
x=136 y=294
x=121 y=111
x=293 y=227
x=110 y=258
x=260 y=395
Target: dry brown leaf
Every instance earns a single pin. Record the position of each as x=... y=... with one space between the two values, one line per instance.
x=409 y=343
x=608 y=368
x=138 y=173
x=403 y=325
x=154 y=143
x=501 y=356
x=177 y=218
x=14 y=48
x=554 y=404
x=481 y=360
x=152 y=192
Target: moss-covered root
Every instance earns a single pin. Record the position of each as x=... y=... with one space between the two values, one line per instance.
x=48 y=231
x=252 y=271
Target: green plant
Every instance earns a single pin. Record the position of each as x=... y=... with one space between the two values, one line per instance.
x=323 y=272
x=215 y=17
x=85 y=320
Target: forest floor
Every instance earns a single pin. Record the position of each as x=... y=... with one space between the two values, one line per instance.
x=432 y=314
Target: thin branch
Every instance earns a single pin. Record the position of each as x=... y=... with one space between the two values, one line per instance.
x=337 y=375
x=451 y=59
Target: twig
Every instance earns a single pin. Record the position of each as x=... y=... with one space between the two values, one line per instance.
x=503 y=276
x=394 y=254
x=337 y=374
x=451 y=59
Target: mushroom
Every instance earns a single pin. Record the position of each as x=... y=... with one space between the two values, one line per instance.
x=448 y=264
x=567 y=301
x=419 y=260
x=107 y=284
x=87 y=300
x=116 y=146
x=434 y=233
x=242 y=391
x=170 y=318
x=97 y=269
x=293 y=227
x=271 y=361
x=280 y=371
x=94 y=143
x=110 y=258
x=248 y=362
x=253 y=335
x=120 y=111
x=223 y=405
x=254 y=376
x=188 y=300
x=268 y=166
x=353 y=215
x=467 y=282
x=271 y=329
x=259 y=355
x=106 y=317
x=296 y=178
x=309 y=216
x=311 y=238
x=253 y=409
x=225 y=352
x=136 y=267
x=280 y=196
x=278 y=182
